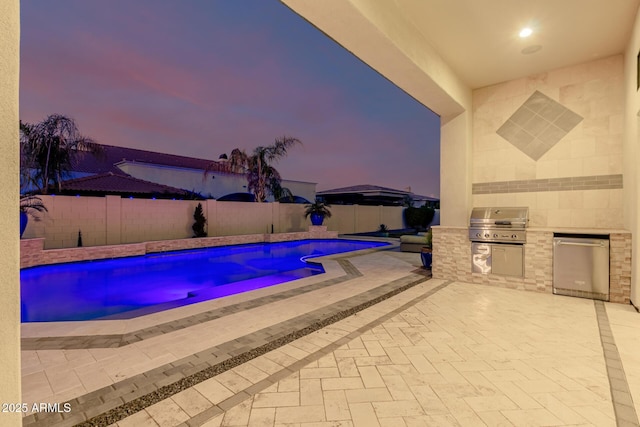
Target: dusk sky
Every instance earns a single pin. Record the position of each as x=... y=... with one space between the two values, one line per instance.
x=199 y=78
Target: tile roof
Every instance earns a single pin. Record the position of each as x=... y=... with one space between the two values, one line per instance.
x=106 y=161
x=111 y=183
x=363 y=189
x=367 y=189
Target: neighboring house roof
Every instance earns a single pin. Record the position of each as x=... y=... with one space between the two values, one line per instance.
x=296 y=199
x=238 y=197
x=363 y=189
x=419 y=198
x=370 y=195
x=120 y=184
x=106 y=161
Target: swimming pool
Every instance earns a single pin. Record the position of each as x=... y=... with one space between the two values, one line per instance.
x=128 y=287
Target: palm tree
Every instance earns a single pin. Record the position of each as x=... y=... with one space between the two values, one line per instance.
x=263 y=178
x=47 y=148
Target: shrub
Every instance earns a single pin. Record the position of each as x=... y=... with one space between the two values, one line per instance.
x=200 y=221
x=418 y=218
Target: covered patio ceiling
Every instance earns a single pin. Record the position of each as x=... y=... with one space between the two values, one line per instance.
x=476 y=41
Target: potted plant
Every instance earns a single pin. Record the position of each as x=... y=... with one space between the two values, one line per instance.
x=426 y=252
x=383 y=231
x=30 y=206
x=317 y=210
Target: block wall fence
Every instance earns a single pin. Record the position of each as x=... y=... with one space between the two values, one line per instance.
x=113 y=220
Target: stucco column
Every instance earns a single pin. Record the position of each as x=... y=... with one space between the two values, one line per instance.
x=455 y=170
x=9 y=200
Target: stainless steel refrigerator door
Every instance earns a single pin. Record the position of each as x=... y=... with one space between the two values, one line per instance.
x=581 y=267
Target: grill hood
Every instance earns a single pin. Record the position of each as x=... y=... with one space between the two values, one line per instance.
x=499 y=217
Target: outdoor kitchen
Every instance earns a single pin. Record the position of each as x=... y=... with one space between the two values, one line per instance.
x=499 y=254
x=568 y=183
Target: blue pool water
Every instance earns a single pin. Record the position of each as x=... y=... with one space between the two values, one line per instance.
x=128 y=287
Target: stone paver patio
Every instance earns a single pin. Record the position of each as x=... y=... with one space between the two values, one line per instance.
x=428 y=352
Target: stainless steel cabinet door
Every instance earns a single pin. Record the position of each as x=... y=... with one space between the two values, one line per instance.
x=481 y=258
x=507 y=260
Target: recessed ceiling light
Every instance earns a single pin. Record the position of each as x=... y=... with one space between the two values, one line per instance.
x=526 y=32
x=531 y=49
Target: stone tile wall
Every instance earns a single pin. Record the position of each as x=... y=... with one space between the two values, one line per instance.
x=620 y=267
x=452 y=261
x=32 y=251
x=315 y=232
x=578 y=181
x=204 y=242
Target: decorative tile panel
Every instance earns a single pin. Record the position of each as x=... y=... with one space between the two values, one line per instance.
x=594 y=182
x=538 y=125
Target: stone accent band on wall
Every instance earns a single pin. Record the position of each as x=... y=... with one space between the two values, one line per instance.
x=32 y=252
x=593 y=182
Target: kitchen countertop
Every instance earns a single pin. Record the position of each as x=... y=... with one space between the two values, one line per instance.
x=574 y=230
x=577 y=230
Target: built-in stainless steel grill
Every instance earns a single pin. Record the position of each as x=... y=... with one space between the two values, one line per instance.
x=497 y=240
x=500 y=225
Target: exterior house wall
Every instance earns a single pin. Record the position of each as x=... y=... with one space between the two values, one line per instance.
x=216 y=184
x=631 y=153
x=576 y=186
x=580 y=178
x=113 y=220
x=9 y=172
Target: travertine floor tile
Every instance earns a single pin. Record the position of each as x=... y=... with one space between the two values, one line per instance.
x=139 y=419
x=191 y=401
x=440 y=361
x=213 y=390
x=274 y=400
x=167 y=413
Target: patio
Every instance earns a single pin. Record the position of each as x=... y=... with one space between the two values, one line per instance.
x=429 y=352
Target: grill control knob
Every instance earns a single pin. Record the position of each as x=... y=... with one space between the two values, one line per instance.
x=478 y=235
x=514 y=236
x=495 y=236
x=487 y=235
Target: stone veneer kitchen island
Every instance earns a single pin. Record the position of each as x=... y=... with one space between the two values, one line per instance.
x=452 y=260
